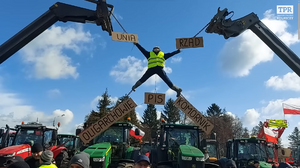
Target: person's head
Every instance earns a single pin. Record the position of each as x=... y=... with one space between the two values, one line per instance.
x=46 y=156
x=142 y=161
x=230 y=163
x=36 y=150
x=19 y=164
x=13 y=160
x=256 y=163
x=156 y=49
x=80 y=160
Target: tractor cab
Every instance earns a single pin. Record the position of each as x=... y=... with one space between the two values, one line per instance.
x=71 y=142
x=246 y=150
x=212 y=148
x=34 y=132
x=112 y=147
x=179 y=146
x=6 y=136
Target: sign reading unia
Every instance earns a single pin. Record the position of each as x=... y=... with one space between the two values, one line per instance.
x=105 y=122
x=194 y=114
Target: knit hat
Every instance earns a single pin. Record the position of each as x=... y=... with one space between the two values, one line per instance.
x=47 y=156
x=19 y=164
x=82 y=159
x=36 y=148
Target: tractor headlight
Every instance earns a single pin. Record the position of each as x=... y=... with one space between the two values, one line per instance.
x=186 y=158
x=99 y=159
x=200 y=159
x=10 y=155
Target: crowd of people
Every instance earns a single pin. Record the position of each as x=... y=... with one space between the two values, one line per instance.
x=41 y=158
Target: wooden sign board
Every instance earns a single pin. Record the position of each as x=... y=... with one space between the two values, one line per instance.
x=125 y=37
x=193 y=42
x=105 y=122
x=155 y=98
x=194 y=114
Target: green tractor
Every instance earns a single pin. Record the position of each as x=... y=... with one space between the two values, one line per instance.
x=179 y=146
x=112 y=148
x=71 y=142
x=245 y=151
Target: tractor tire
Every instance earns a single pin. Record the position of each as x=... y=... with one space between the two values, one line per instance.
x=62 y=159
x=125 y=165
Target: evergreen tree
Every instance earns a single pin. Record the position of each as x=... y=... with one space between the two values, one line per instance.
x=245 y=133
x=294 y=138
x=256 y=129
x=171 y=111
x=150 y=118
x=215 y=110
x=103 y=107
x=104 y=104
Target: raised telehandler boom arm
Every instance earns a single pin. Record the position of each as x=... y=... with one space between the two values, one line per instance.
x=232 y=28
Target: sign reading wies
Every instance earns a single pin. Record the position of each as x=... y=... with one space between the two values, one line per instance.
x=194 y=114
x=105 y=122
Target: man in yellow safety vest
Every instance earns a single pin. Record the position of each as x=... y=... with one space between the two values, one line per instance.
x=156 y=62
x=46 y=160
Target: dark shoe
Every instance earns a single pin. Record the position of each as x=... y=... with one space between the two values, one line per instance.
x=177 y=89
x=136 y=85
x=179 y=92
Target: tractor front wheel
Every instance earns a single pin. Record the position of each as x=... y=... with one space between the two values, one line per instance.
x=125 y=165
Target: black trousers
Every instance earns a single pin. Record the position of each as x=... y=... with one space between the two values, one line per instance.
x=160 y=72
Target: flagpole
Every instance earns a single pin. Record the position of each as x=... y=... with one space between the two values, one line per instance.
x=283 y=111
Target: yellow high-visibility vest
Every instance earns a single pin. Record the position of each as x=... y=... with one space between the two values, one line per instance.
x=277 y=123
x=156 y=60
x=48 y=166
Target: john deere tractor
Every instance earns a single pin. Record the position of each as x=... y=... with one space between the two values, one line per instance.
x=244 y=151
x=111 y=148
x=178 y=146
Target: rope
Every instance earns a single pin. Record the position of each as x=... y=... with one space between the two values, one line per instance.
x=119 y=23
x=155 y=84
x=201 y=30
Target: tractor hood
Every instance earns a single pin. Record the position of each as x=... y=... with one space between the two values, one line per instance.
x=263 y=164
x=14 y=150
x=187 y=150
x=98 y=150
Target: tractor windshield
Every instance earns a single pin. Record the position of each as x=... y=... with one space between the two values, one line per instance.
x=63 y=139
x=31 y=136
x=252 y=151
x=212 y=150
x=183 y=137
x=26 y=136
x=113 y=134
x=270 y=152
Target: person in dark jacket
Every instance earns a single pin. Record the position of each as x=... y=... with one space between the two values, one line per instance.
x=19 y=164
x=80 y=160
x=13 y=160
x=156 y=62
x=34 y=160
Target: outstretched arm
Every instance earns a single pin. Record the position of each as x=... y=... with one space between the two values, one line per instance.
x=145 y=52
x=168 y=55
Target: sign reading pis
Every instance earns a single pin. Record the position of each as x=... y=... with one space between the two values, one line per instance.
x=155 y=98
